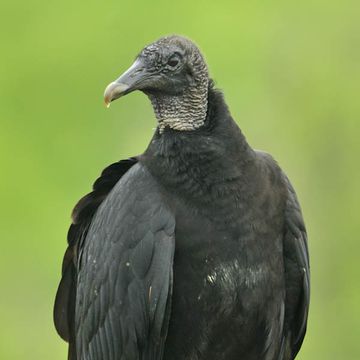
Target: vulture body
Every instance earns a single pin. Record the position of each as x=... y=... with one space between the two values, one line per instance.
x=195 y=249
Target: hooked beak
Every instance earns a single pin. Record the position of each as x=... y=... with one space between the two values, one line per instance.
x=129 y=81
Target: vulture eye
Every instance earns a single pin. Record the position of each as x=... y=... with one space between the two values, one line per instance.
x=173 y=61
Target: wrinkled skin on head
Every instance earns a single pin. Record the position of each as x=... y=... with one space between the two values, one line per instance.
x=175 y=64
x=173 y=73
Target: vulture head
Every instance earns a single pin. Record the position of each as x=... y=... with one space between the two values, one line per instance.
x=173 y=74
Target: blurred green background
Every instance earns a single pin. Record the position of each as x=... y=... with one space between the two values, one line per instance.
x=290 y=73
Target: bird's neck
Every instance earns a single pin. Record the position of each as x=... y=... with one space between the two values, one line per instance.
x=183 y=112
x=209 y=160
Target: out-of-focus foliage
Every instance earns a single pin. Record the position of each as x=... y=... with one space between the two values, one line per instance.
x=290 y=73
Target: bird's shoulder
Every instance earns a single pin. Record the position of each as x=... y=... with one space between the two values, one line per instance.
x=270 y=181
x=268 y=163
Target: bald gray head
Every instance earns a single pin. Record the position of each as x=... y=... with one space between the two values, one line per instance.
x=173 y=73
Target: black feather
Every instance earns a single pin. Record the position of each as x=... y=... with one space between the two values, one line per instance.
x=64 y=308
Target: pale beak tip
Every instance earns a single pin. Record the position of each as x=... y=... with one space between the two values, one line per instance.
x=113 y=91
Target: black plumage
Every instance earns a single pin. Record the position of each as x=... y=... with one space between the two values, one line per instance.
x=195 y=249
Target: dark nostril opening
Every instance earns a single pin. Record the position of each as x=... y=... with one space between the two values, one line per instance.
x=136 y=72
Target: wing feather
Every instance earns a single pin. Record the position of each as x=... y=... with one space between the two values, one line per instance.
x=125 y=274
x=297 y=275
x=83 y=213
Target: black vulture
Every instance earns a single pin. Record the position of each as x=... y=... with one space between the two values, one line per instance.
x=195 y=249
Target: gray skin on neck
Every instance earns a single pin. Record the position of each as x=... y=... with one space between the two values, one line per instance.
x=184 y=110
